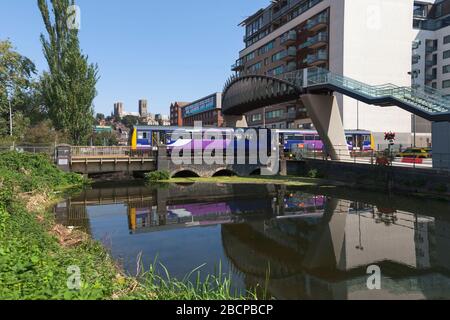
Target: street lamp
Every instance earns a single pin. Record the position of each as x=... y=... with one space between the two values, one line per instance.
x=10 y=118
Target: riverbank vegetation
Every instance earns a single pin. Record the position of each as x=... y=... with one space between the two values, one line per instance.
x=276 y=180
x=42 y=260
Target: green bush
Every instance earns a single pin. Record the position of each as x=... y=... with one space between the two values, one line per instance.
x=26 y=172
x=160 y=175
x=441 y=188
x=314 y=174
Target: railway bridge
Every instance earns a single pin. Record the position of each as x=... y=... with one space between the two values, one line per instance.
x=106 y=160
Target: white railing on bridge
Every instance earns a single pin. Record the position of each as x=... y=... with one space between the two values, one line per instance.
x=95 y=152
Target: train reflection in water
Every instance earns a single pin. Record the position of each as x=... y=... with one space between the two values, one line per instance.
x=313 y=246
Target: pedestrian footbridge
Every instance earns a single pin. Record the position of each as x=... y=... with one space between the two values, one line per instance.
x=314 y=86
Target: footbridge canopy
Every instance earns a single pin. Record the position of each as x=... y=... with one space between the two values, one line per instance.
x=249 y=92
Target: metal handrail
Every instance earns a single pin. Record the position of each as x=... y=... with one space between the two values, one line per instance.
x=87 y=151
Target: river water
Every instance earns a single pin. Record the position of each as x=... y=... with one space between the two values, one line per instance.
x=310 y=243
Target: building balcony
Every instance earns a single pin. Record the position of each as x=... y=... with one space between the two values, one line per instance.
x=317 y=23
x=317 y=41
x=430 y=63
x=289 y=38
x=430 y=77
x=430 y=49
x=317 y=58
x=238 y=66
x=289 y=54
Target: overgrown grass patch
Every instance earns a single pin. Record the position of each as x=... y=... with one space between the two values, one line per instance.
x=34 y=264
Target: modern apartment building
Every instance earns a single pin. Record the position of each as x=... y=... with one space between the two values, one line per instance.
x=208 y=110
x=431 y=54
x=366 y=40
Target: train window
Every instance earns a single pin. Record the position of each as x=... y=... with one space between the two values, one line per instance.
x=309 y=138
x=140 y=135
x=144 y=135
x=317 y=138
x=295 y=137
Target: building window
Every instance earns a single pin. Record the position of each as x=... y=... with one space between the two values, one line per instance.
x=250 y=56
x=256 y=117
x=277 y=56
x=446 y=69
x=446 y=54
x=446 y=39
x=446 y=84
x=254 y=26
x=275 y=114
x=255 y=67
x=266 y=48
x=275 y=72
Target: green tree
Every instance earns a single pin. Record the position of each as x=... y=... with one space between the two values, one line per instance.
x=130 y=121
x=16 y=87
x=99 y=117
x=105 y=139
x=68 y=88
x=44 y=133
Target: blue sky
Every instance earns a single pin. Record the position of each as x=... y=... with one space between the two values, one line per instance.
x=163 y=51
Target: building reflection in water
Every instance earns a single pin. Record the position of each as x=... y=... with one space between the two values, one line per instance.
x=313 y=246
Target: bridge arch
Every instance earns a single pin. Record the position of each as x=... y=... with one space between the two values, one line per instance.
x=242 y=94
x=224 y=172
x=256 y=172
x=185 y=173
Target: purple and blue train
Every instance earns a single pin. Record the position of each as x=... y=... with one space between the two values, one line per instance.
x=148 y=137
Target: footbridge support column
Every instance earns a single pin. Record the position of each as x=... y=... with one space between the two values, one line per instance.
x=441 y=145
x=235 y=121
x=326 y=117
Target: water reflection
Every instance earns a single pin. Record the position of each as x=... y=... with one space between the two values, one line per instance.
x=314 y=246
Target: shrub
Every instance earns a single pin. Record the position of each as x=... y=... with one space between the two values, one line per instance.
x=160 y=175
x=25 y=172
x=314 y=174
x=441 y=188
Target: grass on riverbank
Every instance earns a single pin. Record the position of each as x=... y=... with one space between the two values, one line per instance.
x=40 y=260
x=276 y=180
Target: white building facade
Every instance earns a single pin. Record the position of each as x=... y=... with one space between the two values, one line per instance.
x=366 y=40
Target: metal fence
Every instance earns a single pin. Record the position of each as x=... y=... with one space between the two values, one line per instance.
x=35 y=149
x=381 y=158
x=109 y=152
x=115 y=152
x=80 y=151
